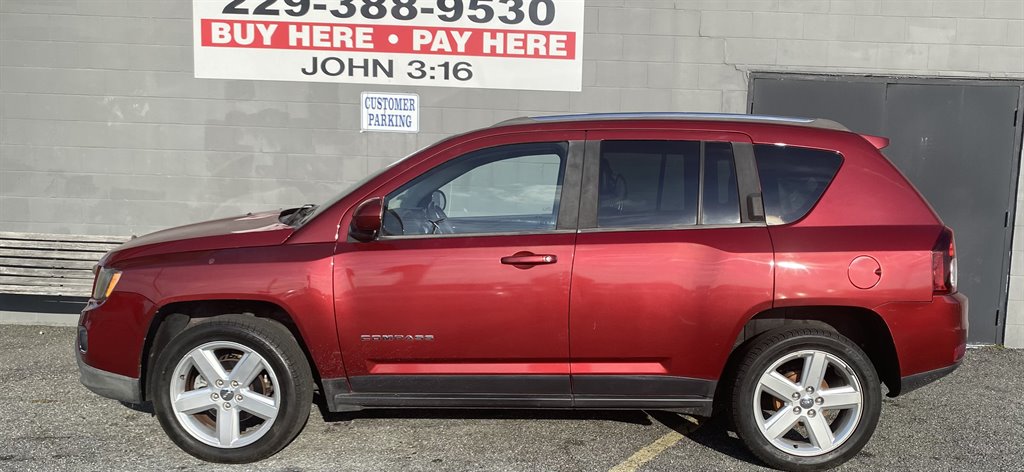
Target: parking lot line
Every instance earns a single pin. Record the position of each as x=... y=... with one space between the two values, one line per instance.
x=37 y=319
x=647 y=453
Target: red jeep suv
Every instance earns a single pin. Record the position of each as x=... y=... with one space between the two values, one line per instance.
x=776 y=270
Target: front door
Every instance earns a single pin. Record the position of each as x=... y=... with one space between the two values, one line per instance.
x=464 y=298
x=671 y=259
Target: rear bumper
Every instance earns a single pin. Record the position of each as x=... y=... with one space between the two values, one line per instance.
x=916 y=381
x=108 y=384
x=930 y=338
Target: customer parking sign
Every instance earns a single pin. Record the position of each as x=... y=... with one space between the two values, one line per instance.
x=390 y=112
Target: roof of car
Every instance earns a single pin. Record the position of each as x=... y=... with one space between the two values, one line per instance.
x=728 y=117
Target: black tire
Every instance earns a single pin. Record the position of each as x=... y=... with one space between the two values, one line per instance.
x=267 y=338
x=757 y=356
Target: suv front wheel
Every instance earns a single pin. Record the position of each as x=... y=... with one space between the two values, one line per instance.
x=805 y=398
x=232 y=389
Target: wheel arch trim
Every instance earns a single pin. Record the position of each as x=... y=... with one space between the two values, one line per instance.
x=172 y=317
x=840 y=318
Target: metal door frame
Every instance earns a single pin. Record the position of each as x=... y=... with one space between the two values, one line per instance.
x=1018 y=140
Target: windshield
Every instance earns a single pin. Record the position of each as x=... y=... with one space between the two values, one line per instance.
x=308 y=216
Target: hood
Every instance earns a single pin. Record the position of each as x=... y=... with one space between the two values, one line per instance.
x=252 y=230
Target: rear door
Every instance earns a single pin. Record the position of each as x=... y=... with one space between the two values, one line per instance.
x=671 y=258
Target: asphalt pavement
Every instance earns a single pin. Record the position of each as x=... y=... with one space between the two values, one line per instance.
x=971 y=420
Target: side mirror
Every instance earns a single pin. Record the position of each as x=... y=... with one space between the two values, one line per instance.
x=368 y=220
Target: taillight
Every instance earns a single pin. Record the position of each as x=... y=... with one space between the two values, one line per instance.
x=944 y=263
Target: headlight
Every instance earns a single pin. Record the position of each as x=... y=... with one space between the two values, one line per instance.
x=106 y=280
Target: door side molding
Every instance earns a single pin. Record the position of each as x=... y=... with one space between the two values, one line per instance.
x=679 y=394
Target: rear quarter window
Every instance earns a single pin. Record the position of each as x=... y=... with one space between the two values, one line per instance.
x=793 y=179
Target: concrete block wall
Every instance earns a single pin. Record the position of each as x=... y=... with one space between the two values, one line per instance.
x=1014 y=334
x=103 y=129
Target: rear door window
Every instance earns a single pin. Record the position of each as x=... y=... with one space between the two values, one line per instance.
x=720 y=197
x=667 y=184
x=645 y=183
x=793 y=179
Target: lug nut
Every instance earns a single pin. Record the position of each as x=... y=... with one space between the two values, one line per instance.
x=220 y=383
x=796 y=410
x=215 y=396
x=227 y=406
x=238 y=398
x=810 y=389
x=796 y=395
x=234 y=383
x=819 y=400
x=810 y=413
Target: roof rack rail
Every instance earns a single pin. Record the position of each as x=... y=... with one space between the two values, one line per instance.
x=783 y=120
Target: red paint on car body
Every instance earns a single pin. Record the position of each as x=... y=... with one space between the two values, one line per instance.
x=697 y=288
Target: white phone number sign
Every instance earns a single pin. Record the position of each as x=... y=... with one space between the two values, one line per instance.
x=500 y=44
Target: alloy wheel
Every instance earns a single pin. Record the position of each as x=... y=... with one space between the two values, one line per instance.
x=225 y=394
x=808 y=402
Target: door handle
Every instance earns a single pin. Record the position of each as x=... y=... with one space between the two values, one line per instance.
x=755 y=202
x=528 y=259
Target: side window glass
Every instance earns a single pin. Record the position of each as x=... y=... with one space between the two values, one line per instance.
x=793 y=179
x=648 y=183
x=721 y=200
x=505 y=189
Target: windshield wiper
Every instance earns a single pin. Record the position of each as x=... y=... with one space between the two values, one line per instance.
x=290 y=217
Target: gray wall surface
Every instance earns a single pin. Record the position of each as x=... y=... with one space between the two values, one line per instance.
x=104 y=130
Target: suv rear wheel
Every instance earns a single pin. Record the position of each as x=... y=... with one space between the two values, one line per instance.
x=805 y=398
x=232 y=389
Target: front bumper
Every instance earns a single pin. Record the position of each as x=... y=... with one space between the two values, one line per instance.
x=112 y=333
x=108 y=384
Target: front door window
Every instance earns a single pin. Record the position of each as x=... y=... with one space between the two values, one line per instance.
x=499 y=190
